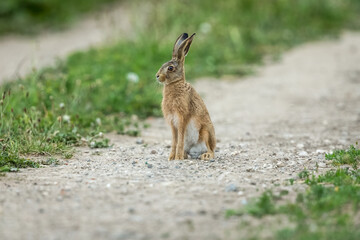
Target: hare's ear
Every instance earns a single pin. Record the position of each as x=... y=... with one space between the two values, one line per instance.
x=184 y=47
x=178 y=42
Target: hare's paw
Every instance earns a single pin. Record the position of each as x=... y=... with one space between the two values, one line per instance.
x=172 y=157
x=179 y=156
x=207 y=156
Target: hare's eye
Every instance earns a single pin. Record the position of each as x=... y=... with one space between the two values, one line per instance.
x=170 y=68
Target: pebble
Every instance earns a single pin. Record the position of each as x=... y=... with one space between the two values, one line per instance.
x=149 y=165
x=303 y=154
x=322 y=165
x=153 y=152
x=202 y=212
x=231 y=188
x=320 y=151
x=280 y=164
x=139 y=141
x=300 y=145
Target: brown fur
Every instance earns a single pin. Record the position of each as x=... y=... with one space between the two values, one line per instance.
x=182 y=104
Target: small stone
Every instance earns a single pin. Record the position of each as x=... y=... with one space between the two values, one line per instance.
x=234 y=153
x=303 y=154
x=149 y=165
x=153 y=152
x=139 y=141
x=231 y=188
x=322 y=165
x=280 y=164
x=300 y=145
x=320 y=151
x=202 y=212
x=250 y=169
x=240 y=193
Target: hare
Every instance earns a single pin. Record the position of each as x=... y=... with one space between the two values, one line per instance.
x=192 y=130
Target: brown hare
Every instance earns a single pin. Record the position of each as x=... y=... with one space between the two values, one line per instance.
x=184 y=110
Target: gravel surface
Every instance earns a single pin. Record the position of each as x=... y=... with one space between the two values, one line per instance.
x=269 y=126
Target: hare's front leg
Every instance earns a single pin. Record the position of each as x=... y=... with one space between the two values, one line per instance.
x=174 y=142
x=180 y=141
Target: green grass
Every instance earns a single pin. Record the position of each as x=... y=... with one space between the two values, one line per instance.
x=32 y=16
x=109 y=88
x=351 y=156
x=327 y=210
x=12 y=163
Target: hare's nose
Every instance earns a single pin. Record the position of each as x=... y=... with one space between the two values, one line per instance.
x=157 y=76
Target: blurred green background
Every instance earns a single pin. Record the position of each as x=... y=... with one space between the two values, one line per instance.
x=32 y=16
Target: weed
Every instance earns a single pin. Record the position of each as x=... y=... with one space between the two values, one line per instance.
x=51 y=161
x=350 y=156
x=11 y=163
x=263 y=206
x=291 y=181
x=303 y=174
x=103 y=143
x=69 y=154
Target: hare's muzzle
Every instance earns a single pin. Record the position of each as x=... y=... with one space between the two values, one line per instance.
x=160 y=77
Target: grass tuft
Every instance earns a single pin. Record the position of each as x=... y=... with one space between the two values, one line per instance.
x=350 y=156
x=12 y=163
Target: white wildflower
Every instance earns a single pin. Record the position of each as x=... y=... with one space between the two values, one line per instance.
x=101 y=134
x=92 y=144
x=62 y=105
x=98 y=121
x=205 y=27
x=66 y=118
x=132 y=77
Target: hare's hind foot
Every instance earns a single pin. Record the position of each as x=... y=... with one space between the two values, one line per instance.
x=207 y=156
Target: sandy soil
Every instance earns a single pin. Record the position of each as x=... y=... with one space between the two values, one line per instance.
x=270 y=126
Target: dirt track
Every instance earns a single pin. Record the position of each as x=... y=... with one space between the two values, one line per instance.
x=270 y=127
